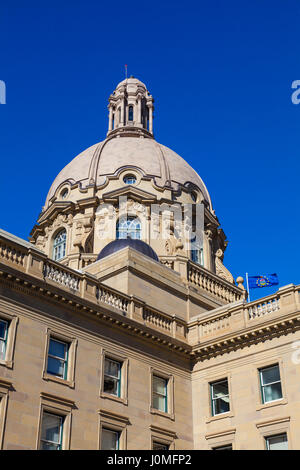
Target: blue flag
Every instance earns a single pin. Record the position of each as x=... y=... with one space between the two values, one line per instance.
x=265 y=280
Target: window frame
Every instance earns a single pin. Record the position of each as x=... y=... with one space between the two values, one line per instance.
x=260 y=370
x=65 y=360
x=128 y=231
x=223 y=447
x=72 y=342
x=129 y=176
x=124 y=364
x=62 y=243
x=170 y=393
x=274 y=427
x=113 y=422
x=130 y=113
x=118 y=433
x=55 y=405
x=5 y=387
x=61 y=430
x=275 y=435
x=162 y=436
x=165 y=446
x=212 y=399
x=164 y=395
x=118 y=378
x=4 y=339
x=12 y=321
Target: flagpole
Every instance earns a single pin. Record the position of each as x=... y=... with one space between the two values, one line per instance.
x=248 y=287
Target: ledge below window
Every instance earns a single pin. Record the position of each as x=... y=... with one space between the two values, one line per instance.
x=58 y=380
x=281 y=401
x=228 y=414
x=154 y=411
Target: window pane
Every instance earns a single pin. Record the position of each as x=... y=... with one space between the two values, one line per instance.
x=49 y=446
x=111 y=385
x=55 y=367
x=228 y=447
x=3 y=328
x=51 y=428
x=220 y=389
x=112 y=368
x=221 y=405
x=59 y=245
x=2 y=349
x=159 y=446
x=57 y=348
x=129 y=227
x=159 y=385
x=272 y=392
x=110 y=440
x=269 y=375
x=277 y=442
x=159 y=403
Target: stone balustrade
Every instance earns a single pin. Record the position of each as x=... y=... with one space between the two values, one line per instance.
x=110 y=297
x=9 y=253
x=61 y=275
x=213 y=284
x=158 y=320
x=259 y=309
x=235 y=318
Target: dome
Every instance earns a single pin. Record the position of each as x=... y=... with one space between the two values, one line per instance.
x=121 y=243
x=129 y=144
x=131 y=81
x=108 y=157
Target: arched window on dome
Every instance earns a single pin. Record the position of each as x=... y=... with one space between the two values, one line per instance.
x=130 y=113
x=129 y=227
x=59 y=245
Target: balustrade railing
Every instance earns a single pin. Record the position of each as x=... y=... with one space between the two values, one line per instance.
x=61 y=276
x=157 y=320
x=259 y=309
x=108 y=296
x=212 y=284
x=12 y=255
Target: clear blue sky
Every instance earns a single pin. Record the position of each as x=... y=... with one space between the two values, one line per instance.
x=221 y=75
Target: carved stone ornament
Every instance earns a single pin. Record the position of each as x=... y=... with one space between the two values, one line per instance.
x=221 y=270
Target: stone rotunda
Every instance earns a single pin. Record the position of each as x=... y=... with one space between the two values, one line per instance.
x=107 y=192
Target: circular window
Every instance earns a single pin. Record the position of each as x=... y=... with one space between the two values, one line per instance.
x=129 y=179
x=64 y=193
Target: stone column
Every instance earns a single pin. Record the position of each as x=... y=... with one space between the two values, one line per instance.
x=208 y=251
x=122 y=112
x=110 y=118
x=150 y=108
x=139 y=110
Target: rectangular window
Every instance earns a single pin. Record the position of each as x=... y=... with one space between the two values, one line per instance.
x=160 y=394
x=112 y=377
x=227 y=447
x=219 y=397
x=109 y=439
x=159 y=446
x=58 y=358
x=52 y=432
x=278 y=442
x=270 y=383
x=3 y=338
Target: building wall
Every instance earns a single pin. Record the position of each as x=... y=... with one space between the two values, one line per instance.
x=248 y=421
x=82 y=400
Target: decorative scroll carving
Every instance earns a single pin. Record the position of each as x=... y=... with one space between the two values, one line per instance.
x=221 y=270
